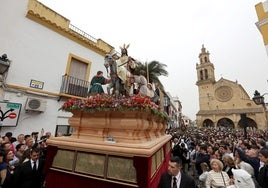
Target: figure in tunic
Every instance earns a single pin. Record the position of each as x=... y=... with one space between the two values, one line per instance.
x=96 y=83
x=142 y=82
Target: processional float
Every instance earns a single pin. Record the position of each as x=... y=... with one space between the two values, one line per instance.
x=118 y=142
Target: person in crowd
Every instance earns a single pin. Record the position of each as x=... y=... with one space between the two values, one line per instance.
x=218 y=155
x=174 y=177
x=223 y=150
x=230 y=150
x=20 y=148
x=184 y=156
x=240 y=164
x=263 y=173
x=26 y=136
x=6 y=169
x=20 y=140
x=211 y=152
x=202 y=157
x=216 y=177
x=244 y=146
x=242 y=179
x=251 y=157
x=34 y=136
x=192 y=150
x=175 y=146
x=29 y=142
x=202 y=178
x=216 y=146
x=5 y=139
x=8 y=146
x=193 y=160
x=25 y=156
x=30 y=173
x=42 y=146
x=10 y=137
x=261 y=143
x=2 y=167
x=229 y=164
x=96 y=84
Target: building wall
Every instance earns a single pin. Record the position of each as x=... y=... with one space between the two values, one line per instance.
x=39 y=44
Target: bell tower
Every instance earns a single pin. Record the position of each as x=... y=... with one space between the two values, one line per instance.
x=205 y=69
x=205 y=80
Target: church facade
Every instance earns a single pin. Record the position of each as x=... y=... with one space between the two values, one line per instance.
x=224 y=103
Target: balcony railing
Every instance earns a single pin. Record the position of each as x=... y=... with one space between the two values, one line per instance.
x=82 y=33
x=74 y=86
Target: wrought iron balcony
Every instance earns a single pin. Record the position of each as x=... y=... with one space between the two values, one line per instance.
x=74 y=86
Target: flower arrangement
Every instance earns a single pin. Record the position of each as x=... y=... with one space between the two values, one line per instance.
x=105 y=102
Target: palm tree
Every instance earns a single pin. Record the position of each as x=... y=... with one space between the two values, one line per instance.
x=154 y=69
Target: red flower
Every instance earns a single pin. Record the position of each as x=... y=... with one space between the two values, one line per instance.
x=107 y=102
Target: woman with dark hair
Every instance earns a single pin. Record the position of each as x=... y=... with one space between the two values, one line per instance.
x=211 y=152
x=6 y=170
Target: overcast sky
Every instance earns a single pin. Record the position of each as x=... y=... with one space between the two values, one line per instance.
x=172 y=32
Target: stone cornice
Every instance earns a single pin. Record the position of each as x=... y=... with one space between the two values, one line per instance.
x=54 y=21
x=230 y=111
x=203 y=82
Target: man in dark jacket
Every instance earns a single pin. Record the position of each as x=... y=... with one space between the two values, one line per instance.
x=174 y=177
x=30 y=173
x=176 y=149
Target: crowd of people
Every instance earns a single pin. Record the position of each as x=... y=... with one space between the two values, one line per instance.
x=223 y=157
x=205 y=158
x=22 y=159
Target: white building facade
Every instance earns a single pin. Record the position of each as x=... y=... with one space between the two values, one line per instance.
x=49 y=61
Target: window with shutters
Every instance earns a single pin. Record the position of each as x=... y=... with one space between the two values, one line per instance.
x=75 y=81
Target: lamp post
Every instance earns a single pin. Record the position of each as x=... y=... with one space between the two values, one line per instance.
x=4 y=64
x=259 y=100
